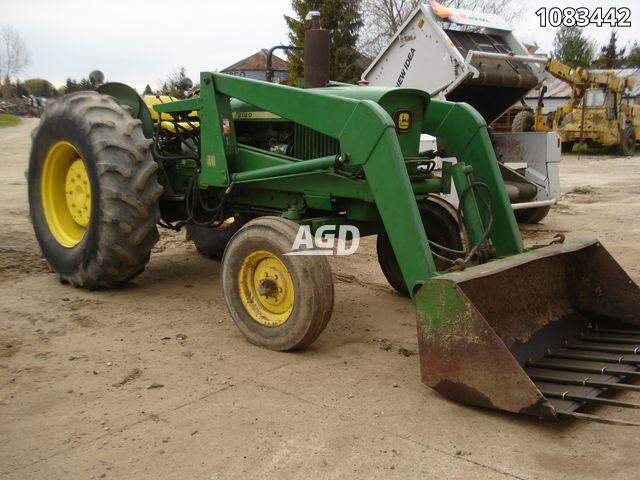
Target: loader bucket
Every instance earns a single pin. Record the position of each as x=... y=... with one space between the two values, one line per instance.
x=543 y=333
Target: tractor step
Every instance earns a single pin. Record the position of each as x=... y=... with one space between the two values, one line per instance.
x=585 y=372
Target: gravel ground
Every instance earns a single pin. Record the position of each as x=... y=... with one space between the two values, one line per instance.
x=154 y=381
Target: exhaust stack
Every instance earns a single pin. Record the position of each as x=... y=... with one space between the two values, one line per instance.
x=317 y=41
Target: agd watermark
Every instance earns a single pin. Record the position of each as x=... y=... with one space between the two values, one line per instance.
x=324 y=240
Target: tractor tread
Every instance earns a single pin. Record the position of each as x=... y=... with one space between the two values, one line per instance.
x=126 y=184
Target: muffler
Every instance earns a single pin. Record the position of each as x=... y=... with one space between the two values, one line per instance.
x=543 y=333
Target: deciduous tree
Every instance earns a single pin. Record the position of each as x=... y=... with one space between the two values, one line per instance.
x=383 y=18
x=14 y=55
x=40 y=87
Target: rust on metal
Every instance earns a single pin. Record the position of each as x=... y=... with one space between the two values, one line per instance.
x=482 y=332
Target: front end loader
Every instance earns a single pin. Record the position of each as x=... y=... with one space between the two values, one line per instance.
x=244 y=164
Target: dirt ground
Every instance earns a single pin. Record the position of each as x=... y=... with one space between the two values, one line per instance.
x=154 y=381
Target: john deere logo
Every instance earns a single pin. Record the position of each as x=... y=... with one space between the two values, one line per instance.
x=402 y=119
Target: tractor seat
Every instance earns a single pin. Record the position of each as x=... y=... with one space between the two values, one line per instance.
x=167 y=120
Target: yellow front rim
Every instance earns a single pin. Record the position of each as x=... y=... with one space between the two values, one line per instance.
x=266 y=288
x=66 y=194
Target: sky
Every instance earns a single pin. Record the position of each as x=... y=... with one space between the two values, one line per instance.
x=142 y=41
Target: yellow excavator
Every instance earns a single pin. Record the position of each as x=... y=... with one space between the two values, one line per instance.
x=597 y=113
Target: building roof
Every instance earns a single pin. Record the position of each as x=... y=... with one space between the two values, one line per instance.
x=258 y=61
x=557 y=88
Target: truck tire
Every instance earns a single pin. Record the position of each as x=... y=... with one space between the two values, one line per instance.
x=531 y=215
x=566 y=147
x=439 y=226
x=277 y=301
x=211 y=242
x=523 y=122
x=93 y=191
x=627 y=145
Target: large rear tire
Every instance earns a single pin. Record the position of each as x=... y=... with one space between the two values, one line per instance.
x=281 y=302
x=627 y=145
x=523 y=122
x=93 y=191
x=440 y=226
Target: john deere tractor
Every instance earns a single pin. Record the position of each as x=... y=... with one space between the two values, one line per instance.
x=242 y=165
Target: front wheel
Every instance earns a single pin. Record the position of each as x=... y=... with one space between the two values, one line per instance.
x=523 y=121
x=531 y=215
x=211 y=242
x=441 y=228
x=278 y=301
x=627 y=145
x=567 y=147
x=93 y=192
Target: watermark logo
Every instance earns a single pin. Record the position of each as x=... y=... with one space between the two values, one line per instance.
x=324 y=240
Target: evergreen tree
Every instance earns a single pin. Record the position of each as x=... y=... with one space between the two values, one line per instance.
x=342 y=17
x=572 y=47
x=21 y=90
x=147 y=90
x=73 y=86
x=633 y=58
x=610 y=56
x=174 y=84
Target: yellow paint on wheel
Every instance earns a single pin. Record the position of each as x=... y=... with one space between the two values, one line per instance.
x=266 y=288
x=66 y=194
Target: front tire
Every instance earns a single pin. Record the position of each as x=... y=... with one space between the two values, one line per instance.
x=93 y=192
x=211 y=242
x=567 y=147
x=281 y=302
x=523 y=121
x=627 y=145
x=531 y=215
x=440 y=226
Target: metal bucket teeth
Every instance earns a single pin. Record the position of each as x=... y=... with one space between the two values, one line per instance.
x=546 y=333
x=577 y=375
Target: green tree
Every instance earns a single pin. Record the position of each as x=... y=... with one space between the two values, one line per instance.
x=21 y=90
x=174 y=84
x=610 y=56
x=73 y=86
x=633 y=58
x=40 y=87
x=147 y=90
x=342 y=17
x=572 y=47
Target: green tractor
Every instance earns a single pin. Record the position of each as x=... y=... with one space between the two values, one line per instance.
x=243 y=165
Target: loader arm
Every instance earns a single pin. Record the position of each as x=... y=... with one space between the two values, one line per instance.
x=367 y=137
x=464 y=132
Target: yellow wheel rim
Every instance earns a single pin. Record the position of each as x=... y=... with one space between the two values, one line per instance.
x=66 y=194
x=266 y=288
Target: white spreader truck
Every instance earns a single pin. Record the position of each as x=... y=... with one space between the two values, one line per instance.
x=472 y=57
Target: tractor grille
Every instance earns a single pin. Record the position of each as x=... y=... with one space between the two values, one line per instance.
x=312 y=144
